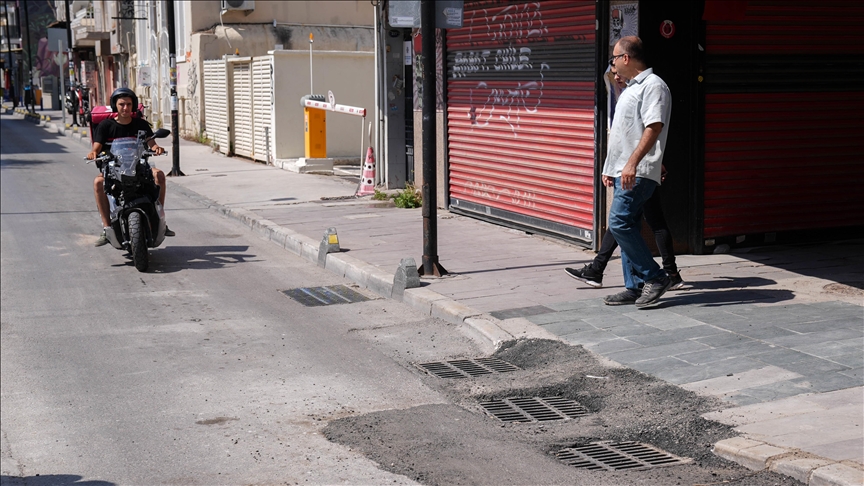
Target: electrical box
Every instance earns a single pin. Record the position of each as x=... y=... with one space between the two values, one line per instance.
x=238 y=5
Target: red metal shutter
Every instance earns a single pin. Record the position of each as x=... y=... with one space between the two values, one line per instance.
x=520 y=114
x=783 y=117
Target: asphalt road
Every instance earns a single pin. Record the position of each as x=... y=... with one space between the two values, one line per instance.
x=201 y=371
x=198 y=372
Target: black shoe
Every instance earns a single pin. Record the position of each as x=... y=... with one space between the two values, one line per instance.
x=652 y=291
x=677 y=281
x=622 y=298
x=587 y=274
x=168 y=232
x=103 y=239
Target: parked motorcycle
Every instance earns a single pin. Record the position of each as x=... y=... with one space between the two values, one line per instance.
x=77 y=101
x=137 y=218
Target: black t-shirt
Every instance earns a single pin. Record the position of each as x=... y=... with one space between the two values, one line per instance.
x=109 y=129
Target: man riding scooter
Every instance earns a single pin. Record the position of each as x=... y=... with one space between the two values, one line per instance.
x=124 y=102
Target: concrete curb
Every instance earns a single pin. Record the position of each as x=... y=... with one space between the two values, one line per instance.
x=806 y=468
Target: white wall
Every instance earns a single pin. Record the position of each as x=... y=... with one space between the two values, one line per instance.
x=351 y=77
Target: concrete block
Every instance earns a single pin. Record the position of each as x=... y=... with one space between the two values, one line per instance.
x=837 y=475
x=452 y=311
x=380 y=283
x=489 y=330
x=749 y=453
x=421 y=299
x=797 y=468
x=406 y=277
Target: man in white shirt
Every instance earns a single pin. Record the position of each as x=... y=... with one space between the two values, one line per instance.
x=637 y=141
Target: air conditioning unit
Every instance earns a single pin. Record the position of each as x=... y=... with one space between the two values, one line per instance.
x=246 y=5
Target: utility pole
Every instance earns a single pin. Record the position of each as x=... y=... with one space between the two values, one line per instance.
x=172 y=70
x=430 y=153
x=72 y=96
x=29 y=56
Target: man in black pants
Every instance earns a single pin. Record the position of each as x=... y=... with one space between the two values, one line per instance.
x=592 y=273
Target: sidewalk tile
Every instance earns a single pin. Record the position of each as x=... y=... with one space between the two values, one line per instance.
x=678 y=335
x=837 y=475
x=562 y=328
x=656 y=365
x=826 y=382
x=704 y=372
x=613 y=345
x=750 y=348
x=671 y=349
x=814 y=366
x=723 y=338
x=845 y=450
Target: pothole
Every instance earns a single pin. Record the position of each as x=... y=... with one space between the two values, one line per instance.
x=618 y=456
x=467 y=368
x=534 y=409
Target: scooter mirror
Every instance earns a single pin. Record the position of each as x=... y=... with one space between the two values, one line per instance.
x=161 y=133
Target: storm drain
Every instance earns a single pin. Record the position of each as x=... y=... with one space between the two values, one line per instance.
x=466 y=368
x=320 y=296
x=534 y=409
x=617 y=456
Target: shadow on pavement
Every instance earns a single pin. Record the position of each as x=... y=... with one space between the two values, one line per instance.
x=172 y=259
x=841 y=262
x=51 y=480
x=725 y=298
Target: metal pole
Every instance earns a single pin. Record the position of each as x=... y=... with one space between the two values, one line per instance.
x=73 y=98
x=430 y=190
x=172 y=56
x=311 y=84
x=62 y=84
x=29 y=56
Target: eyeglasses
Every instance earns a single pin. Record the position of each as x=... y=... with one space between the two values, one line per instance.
x=612 y=59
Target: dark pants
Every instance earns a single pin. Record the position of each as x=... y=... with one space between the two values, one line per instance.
x=653 y=212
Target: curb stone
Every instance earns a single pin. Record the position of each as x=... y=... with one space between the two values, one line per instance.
x=808 y=469
x=492 y=332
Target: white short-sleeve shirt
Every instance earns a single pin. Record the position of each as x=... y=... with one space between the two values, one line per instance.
x=646 y=100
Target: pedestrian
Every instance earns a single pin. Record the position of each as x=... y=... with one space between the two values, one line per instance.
x=592 y=273
x=633 y=168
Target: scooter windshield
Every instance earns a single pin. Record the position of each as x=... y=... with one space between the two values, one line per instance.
x=126 y=152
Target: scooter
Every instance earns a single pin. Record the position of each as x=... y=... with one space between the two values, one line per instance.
x=137 y=218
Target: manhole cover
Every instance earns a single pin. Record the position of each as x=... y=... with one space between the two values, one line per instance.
x=466 y=368
x=534 y=409
x=318 y=296
x=617 y=456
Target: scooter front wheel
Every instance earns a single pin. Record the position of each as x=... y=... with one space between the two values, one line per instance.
x=138 y=242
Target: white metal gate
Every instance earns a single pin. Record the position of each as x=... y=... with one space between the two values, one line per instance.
x=262 y=107
x=244 y=132
x=216 y=104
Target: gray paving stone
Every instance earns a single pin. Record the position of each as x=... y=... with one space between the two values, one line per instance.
x=708 y=316
x=521 y=312
x=723 y=353
x=781 y=357
x=613 y=345
x=831 y=348
x=817 y=337
x=742 y=399
x=633 y=330
x=854 y=372
x=759 y=332
x=827 y=382
x=653 y=366
x=672 y=349
x=575 y=304
x=723 y=339
x=773 y=391
x=678 y=335
x=611 y=321
x=588 y=338
x=852 y=360
x=824 y=325
x=814 y=366
x=690 y=374
x=568 y=327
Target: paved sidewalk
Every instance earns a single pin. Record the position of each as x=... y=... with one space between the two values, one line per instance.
x=776 y=332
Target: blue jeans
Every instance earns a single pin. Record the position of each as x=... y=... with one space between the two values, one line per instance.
x=625 y=223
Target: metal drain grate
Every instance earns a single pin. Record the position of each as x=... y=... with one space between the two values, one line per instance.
x=534 y=409
x=618 y=456
x=320 y=296
x=466 y=368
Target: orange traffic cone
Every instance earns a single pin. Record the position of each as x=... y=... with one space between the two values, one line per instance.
x=367 y=179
